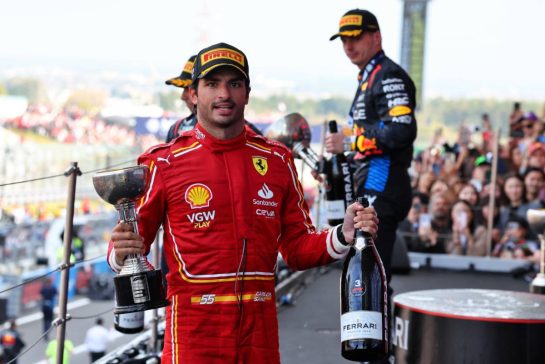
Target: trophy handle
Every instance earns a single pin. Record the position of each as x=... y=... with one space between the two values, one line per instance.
x=308 y=155
x=133 y=263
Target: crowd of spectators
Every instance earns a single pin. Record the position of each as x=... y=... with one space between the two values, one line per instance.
x=452 y=182
x=75 y=126
x=452 y=188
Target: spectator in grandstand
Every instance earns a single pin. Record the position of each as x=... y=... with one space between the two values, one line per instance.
x=536 y=155
x=481 y=172
x=487 y=188
x=466 y=153
x=408 y=228
x=487 y=133
x=516 y=203
x=514 y=244
x=434 y=234
x=438 y=186
x=531 y=129
x=534 y=181
x=435 y=161
x=425 y=181
x=515 y=159
x=468 y=238
x=469 y=193
x=515 y=131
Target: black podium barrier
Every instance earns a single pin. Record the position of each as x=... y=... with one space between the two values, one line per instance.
x=469 y=326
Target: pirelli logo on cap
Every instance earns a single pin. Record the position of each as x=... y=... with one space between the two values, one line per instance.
x=188 y=67
x=222 y=53
x=351 y=20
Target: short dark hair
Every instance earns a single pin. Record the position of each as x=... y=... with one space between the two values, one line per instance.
x=522 y=222
x=99 y=321
x=533 y=169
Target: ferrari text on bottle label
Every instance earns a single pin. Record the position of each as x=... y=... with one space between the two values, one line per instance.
x=361 y=325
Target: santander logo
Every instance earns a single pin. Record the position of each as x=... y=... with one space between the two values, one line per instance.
x=265 y=192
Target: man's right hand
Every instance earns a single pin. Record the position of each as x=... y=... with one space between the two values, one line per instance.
x=334 y=143
x=126 y=242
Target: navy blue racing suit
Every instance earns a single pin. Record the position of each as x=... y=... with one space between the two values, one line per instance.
x=382 y=116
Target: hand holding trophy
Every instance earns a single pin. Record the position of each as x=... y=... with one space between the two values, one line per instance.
x=138 y=285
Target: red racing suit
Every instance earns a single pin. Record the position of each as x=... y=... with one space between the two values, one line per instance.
x=227 y=207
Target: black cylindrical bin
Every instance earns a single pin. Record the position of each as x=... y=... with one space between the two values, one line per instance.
x=469 y=326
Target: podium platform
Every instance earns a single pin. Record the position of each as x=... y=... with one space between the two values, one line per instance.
x=469 y=326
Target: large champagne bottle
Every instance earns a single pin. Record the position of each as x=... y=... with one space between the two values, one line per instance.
x=364 y=298
x=338 y=185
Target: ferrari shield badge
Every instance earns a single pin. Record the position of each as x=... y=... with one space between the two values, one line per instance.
x=260 y=165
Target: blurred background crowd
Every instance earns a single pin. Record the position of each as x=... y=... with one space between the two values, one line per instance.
x=453 y=177
x=454 y=182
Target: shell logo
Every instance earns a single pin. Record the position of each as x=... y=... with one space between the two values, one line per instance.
x=198 y=196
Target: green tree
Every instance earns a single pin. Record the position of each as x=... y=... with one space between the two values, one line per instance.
x=170 y=101
x=33 y=89
x=91 y=101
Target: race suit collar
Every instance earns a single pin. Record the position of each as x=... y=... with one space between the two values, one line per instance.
x=363 y=75
x=206 y=139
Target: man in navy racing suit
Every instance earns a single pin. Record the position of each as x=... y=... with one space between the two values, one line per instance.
x=384 y=125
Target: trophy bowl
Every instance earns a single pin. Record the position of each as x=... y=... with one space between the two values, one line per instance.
x=290 y=129
x=121 y=185
x=138 y=286
x=293 y=131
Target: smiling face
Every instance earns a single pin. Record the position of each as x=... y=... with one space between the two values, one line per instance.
x=514 y=190
x=221 y=97
x=469 y=194
x=533 y=183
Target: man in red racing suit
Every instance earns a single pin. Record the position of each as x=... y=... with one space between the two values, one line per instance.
x=228 y=206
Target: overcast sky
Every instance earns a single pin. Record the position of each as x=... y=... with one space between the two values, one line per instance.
x=473 y=47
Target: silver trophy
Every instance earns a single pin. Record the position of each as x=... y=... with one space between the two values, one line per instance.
x=293 y=131
x=536 y=219
x=138 y=285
